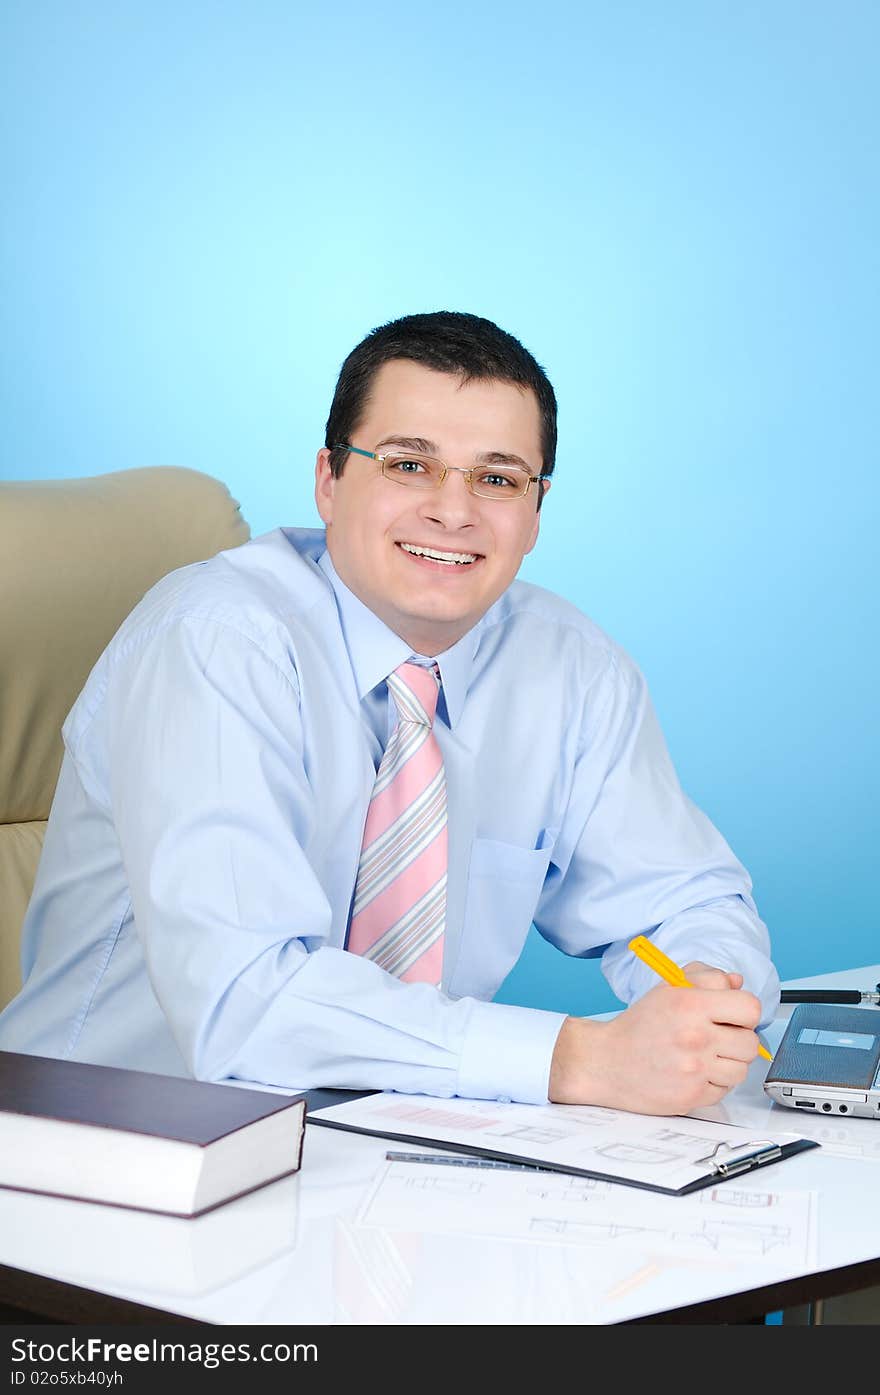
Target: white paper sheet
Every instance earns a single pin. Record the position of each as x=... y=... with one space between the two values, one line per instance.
x=722 y=1224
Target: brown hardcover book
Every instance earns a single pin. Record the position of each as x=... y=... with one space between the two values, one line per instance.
x=129 y=1138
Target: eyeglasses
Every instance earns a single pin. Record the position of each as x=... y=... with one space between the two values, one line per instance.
x=424 y=472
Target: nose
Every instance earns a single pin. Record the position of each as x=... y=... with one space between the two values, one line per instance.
x=453 y=505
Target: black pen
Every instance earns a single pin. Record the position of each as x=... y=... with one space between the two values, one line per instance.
x=830 y=995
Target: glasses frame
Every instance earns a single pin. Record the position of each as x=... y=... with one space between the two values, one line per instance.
x=460 y=470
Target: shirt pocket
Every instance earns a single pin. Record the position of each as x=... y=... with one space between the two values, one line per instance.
x=504 y=885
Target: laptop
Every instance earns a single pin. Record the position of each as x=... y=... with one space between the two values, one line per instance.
x=828 y=1061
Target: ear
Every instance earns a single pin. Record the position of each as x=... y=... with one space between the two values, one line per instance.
x=545 y=485
x=325 y=486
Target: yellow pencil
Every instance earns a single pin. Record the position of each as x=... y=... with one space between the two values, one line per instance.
x=669 y=971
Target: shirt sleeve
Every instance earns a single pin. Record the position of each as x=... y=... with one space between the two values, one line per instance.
x=636 y=857
x=213 y=809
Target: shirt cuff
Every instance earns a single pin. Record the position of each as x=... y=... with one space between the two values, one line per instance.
x=507 y=1053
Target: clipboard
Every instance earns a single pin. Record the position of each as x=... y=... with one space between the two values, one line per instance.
x=730 y=1150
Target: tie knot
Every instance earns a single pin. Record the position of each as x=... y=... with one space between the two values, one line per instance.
x=415 y=690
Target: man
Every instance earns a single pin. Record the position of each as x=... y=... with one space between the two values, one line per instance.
x=317 y=789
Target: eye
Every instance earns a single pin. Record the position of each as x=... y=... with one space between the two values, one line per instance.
x=405 y=465
x=501 y=480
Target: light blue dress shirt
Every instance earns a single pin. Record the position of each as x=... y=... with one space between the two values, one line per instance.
x=191 y=904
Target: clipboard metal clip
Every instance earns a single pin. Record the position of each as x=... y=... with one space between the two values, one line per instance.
x=727 y=1159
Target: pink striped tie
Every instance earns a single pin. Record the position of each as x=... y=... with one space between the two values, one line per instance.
x=399 y=910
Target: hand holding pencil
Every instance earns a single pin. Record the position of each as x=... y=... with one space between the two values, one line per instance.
x=668 y=1053
x=669 y=971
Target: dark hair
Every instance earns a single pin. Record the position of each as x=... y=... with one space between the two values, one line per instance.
x=448 y=341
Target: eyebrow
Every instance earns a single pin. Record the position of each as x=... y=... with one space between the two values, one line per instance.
x=424 y=447
x=416 y=443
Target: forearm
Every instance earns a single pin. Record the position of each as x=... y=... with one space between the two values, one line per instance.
x=330 y=1018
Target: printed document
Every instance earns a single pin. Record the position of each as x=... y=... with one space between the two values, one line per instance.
x=666 y=1153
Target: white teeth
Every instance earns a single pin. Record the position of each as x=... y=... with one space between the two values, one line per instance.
x=459 y=557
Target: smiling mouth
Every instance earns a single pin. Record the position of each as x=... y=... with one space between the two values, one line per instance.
x=433 y=554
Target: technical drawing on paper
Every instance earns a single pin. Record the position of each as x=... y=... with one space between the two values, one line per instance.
x=720 y=1223
x=669 y=1154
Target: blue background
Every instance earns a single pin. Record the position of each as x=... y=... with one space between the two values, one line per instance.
x=674 y=205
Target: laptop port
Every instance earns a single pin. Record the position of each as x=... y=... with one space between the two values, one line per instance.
x=805 y=1104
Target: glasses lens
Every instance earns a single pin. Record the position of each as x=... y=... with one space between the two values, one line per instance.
x=500 y=482
x=419 y=471
x=488 y=481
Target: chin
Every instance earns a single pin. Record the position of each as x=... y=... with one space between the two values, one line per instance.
x=443 y=630
x=442 y=617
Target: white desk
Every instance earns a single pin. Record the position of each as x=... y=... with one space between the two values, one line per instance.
x=293 y=1253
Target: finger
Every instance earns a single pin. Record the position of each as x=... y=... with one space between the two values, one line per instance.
x=705 y=976
x=713 y=1094
x=736 y=1044
x=736 y=1009
x=727 y=1074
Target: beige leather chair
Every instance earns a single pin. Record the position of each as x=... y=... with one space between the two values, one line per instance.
x=75 y=557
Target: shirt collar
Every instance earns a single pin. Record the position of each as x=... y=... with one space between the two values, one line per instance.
x=375 y=650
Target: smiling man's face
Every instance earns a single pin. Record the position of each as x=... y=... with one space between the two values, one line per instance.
x=372 y=521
